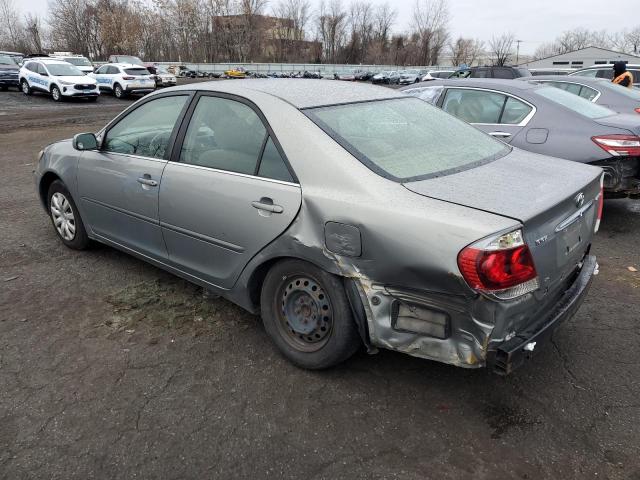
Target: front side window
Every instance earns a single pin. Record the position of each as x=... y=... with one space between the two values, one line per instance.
x=474 y=106
x=503 y=73
x=146 y=131
x=407 y=139
x=40 y=69
x=224 y=134
x=605 y=73
x=574 y=102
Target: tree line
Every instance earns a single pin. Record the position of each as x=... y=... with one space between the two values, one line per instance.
x=208 y=31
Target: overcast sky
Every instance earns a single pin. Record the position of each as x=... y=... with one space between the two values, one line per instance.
x=532 y=21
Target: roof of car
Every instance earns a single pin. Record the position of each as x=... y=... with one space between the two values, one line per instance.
x=123 y=65
x=48 y=60
x=608 y=66
x=490 y=83
x=564 y=78
x=302 y=93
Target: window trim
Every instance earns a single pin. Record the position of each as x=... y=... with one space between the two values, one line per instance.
x=524 y=121
x=102 y=134
x=186 y=120
x=599 y=93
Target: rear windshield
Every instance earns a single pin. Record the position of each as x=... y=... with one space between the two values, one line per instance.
x=63 y=70
x=574 y=102
x=407 y=139
x=136 y=71
x=632 y=93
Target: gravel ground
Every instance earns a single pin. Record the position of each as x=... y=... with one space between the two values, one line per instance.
x=111 y=368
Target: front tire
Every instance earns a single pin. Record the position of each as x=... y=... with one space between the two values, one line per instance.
x=306 y=313
x=56 y=94
x=65 y=217
x=24 y=86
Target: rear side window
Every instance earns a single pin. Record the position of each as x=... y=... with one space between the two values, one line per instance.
x=514 y=112
x=272 y=165
x=503 y=73
x=605 y=73
x=587 y=73
x=474 y=106
x=480 y=73
x=113 y=70
x=636 y=75
x=574 y=102
x=136 y=71
x=224 y=134
x=146 y=131
x=407 y=139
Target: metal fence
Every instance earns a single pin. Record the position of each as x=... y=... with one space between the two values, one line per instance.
x=296 y=67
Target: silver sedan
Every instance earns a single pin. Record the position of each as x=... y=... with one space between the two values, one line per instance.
x=344 y=214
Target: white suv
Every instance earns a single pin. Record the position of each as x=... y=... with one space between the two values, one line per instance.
x=58 y=78
x=123 y=79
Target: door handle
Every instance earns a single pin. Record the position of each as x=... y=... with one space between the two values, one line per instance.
x=267 y=205
x=500 y=134
x=147 y=181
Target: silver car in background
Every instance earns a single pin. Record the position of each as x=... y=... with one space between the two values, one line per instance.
x=547 y=120
x=344 y=214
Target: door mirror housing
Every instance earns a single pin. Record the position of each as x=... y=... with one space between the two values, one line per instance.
x=85 y=141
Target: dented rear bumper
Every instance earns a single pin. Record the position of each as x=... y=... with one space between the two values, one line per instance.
x=514 y=352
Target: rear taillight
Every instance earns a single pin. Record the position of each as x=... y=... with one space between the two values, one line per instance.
x=619 y=145
x=638 y=110
x=128 y=78
x=504 y=267
x=600 y=204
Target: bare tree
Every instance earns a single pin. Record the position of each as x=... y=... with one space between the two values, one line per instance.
x=501 y=48
x=633 y=40
x=466 y=51
x=331 y=25
x=11 y=34
x=33 y=32
x=430 y=22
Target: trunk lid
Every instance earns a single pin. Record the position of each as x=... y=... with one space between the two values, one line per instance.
x=555 y=200
x=626 y=121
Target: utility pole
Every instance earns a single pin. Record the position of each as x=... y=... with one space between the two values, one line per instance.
x=518 y=42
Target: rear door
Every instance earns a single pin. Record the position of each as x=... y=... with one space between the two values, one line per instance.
x=228 y=191
x=500 y=115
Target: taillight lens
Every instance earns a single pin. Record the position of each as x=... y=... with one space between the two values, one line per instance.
x=619 y=145
x=128 y=78
x=600 y=203
x=638 y=110
x=504 y=267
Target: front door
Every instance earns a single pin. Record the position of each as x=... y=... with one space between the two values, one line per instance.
x=119 y=183
x=228 y=194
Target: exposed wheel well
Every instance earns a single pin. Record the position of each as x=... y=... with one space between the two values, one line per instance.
x=53 y=85
x=46 y=181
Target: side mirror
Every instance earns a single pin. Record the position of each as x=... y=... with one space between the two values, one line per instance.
x=44 y=74
x=85 y=141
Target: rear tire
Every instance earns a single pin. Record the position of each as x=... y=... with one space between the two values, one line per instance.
x=24 y=86
x=65 y=217
x=118 y=91
x=306 y=313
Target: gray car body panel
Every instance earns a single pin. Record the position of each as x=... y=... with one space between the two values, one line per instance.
x=409 y=241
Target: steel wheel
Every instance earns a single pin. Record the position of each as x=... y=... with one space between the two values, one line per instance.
x=306 y=315
x=63 y=217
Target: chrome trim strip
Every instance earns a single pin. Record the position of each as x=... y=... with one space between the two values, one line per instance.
x=565 y=223
x=204 y=238
x=237 y=174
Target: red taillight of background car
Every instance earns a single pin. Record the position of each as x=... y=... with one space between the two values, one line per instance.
x=638 y=110
x=128 y=78
x=504 y=265
x=619 y=145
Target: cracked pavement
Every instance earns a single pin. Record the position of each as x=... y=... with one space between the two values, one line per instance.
x=111 y=368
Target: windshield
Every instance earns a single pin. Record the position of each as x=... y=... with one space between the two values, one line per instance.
x=78 y=61
x=63 y=70
x=136 y=71
x=574 y=102
x=407 y=139
x=7 y=60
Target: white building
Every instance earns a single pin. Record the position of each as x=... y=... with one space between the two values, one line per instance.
x=585 y=57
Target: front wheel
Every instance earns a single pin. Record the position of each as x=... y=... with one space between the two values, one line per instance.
x=26 y=89
x=66 y=218
x=306 y=313
x=56 y=94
